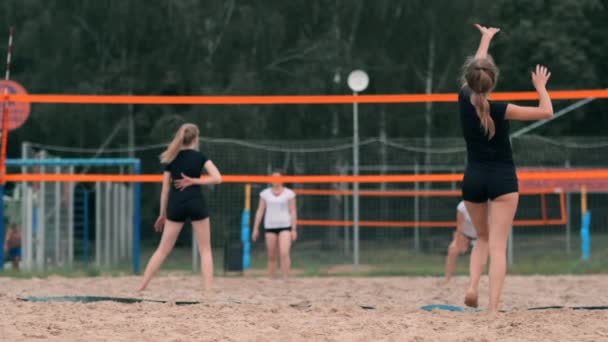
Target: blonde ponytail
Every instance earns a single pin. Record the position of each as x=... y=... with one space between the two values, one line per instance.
x=184 y=136
x=481 y=75
x=482 y=106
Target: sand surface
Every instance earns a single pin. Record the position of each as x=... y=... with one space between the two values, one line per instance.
x=301 y=309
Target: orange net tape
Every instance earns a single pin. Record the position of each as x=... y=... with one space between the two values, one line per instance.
x=406 y=193
x=562 y=220
x=292 y=99
x=581 y=175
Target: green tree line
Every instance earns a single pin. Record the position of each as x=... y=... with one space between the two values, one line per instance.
x=238 y=47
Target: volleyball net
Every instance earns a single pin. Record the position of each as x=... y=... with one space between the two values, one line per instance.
x=408 y=191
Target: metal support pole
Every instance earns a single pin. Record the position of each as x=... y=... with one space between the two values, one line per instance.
x=355 y=184
x=24 y=227
x=26 y=210
x=5 y=121
x=416 y=210
x=107 y=223
x=41 y=231
x=29 y=223
x=115 y=223
x=129 y=224
x=57 y=220
x=569 y=220
x=124 y=221
x=70 y=203
x=136 y=219
x=98 y=213
x=346 y=228
x=86 y=247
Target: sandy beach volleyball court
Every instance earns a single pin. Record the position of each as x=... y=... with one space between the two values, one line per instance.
x=301 y=309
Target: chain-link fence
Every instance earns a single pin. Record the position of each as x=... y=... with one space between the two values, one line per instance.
x=324 y=247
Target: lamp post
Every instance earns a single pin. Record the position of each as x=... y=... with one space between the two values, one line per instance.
x=357 y=82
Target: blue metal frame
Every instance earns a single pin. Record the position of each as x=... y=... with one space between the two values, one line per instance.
x=84 y=162
x=586 y=235
x=73 y=162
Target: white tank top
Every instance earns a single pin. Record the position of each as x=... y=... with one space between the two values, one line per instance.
x=467 y=227
x=277 y=208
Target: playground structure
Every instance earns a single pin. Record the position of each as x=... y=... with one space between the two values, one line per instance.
x=65 y=224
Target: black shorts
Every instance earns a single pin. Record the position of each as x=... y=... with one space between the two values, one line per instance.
x=277 y=231
x=487 y=182
x=194 y=209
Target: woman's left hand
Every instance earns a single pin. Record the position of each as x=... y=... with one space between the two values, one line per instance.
x=294 y=235
x=159 y=225
x=183 y=183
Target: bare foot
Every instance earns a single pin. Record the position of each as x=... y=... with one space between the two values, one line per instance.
x=470 y=299
x=493 y=313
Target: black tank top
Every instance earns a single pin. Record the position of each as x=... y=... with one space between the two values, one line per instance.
x=479 y=148
x=190 y=163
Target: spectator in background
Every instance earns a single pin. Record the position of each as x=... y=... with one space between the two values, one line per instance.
x=12 y=245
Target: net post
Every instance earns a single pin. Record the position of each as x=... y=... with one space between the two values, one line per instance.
x=246 y=229
x=585 y=222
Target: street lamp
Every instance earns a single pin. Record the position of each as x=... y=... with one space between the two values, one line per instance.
x=357 y=82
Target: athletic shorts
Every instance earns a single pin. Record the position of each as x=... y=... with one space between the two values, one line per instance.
x=194 y=209
x=467 y=235
x=277 y=231
x=487 y=182
x=14 y=252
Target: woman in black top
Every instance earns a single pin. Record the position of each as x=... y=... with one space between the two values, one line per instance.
x=183 y=165
x=489 y=187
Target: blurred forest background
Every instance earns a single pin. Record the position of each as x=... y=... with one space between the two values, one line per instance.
x=229 y=47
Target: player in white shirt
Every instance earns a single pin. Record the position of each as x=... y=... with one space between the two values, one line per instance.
x=464 y=236
x=278 y=207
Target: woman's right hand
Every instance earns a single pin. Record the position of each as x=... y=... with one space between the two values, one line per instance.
x=160 y=223
x=487 y=31
x=540 y=77
x=255 y=235
x=184 y=182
